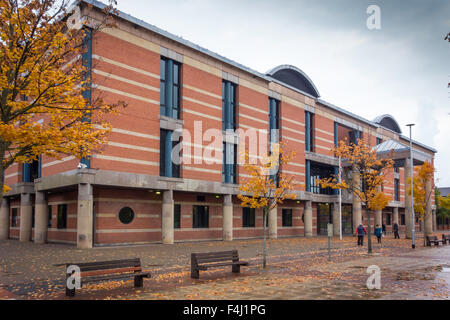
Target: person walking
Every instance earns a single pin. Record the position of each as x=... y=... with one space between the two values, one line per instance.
x=378 y=232
x=360 y=232
x=396 y=236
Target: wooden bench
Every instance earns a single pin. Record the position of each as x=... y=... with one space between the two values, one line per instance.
x=108 y=270
x=433 y=240
x=204 y=261
x=446 y=238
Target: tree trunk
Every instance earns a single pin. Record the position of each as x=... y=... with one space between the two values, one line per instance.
x=265 y=246
x=369 y=233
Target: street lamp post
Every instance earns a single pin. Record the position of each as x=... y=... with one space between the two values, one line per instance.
x=413 y=231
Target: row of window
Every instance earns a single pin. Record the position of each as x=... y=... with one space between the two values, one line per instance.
x=200 y=216
x=61 y=217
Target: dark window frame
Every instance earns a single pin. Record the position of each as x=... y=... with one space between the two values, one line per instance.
x=176 y=168
x=286 y=217
x=14 y=217
x=200 y=219
x=175 y=88
x=50 y=215
x=62 y=216
x=248 y=217
x=177 y=216
x=227 y=123
x=397 y=189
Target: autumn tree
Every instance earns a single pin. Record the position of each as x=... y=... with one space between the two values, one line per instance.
x=45 y=103
x=422 y=196
x=363 y=161
x=442 y=206
x=267 y=186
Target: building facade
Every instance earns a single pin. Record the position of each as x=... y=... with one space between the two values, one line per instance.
x=134 y=192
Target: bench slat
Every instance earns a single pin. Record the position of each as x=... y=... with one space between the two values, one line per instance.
x=110 y=271
x=111 y=262
x=119 y=276
x=109 y=266
x=242 y=263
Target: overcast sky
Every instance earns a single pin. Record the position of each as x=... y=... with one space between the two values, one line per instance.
x=401 y=69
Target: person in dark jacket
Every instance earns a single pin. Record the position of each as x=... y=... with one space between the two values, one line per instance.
x=378 y=232
x=396 y=236
x=360 y=232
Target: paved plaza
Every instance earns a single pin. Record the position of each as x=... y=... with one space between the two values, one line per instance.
x=298 y=268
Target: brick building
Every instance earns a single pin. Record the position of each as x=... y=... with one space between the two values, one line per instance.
x=133 y=193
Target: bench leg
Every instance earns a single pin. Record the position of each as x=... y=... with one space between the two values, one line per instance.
x=138 y=282
x=195 y=274
x=70 y=292
x=236 y=268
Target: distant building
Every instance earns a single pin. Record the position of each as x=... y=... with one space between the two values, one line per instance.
x=444 y=191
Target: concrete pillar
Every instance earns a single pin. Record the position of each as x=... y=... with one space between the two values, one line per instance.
x=336 y=220
x=308 y=219
x=4 y=219
x=41 y=218
x=434 y=220
x=85 y=216
x=167 y=217
x=408 y=214
x=428 y=221
x=273 y=223
x=227 y=219
x=356 y=205
x=395 y=216
x=26 y=210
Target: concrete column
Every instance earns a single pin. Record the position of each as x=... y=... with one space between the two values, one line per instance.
x=4 y=219
x=85 y=216
x=308 y=219
x=167 y=217
x=336 y=220
x=434 y=221
x=408 y=214
x=395 y=216
x=227 y=219
x=273 y=223
x=428 y=221
x=41 y=218
x=356 y=205
x=26 y=210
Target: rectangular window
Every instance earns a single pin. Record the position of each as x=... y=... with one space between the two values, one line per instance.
x=396 y=189
x=229 y=166
x=388 y=219
x=274 y=120
x=309 y=131
x=200 y=217
x=317 y=171
x=32 y=217
x=228 y=105
x=402 y=219
x=14 y=217
x=248 y=217
x=170 y=88
x=167 y=166
x=49 y=216
x=286 y=217
x=396 y=169
x=177 y=216
x=62 y=216
x=379 y=141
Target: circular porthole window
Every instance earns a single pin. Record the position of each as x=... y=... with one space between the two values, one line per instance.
x=126 y=215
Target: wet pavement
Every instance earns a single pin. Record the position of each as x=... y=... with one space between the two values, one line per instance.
x=298 y=268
